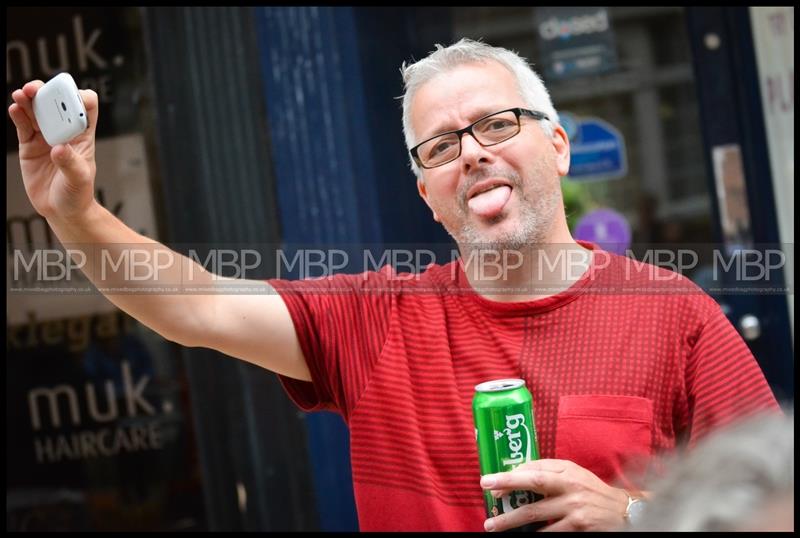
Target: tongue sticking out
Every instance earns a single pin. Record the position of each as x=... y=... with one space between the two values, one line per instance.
x=490 y=203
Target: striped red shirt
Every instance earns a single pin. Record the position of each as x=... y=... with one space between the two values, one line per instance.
x=629 y=362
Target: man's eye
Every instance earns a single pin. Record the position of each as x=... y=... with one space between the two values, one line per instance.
x=497 y=125
x=440 y=148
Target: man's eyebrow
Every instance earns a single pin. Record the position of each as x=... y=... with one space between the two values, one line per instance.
x=446 y=126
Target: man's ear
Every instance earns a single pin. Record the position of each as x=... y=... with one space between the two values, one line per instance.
x=424 y=194
x=561 y=145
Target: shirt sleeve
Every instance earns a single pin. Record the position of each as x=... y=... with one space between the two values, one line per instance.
x=723 y=379
x=341 y=323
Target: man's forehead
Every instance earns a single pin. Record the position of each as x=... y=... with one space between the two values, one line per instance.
x=465 y=93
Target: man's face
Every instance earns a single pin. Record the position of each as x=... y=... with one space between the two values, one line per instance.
x=524 y=171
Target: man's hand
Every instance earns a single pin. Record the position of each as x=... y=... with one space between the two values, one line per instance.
x=60 y=180
x=574 y=498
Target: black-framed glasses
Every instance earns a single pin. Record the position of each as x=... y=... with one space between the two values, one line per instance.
x=487 y=131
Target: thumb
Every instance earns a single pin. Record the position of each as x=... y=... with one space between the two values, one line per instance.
x=69 y=162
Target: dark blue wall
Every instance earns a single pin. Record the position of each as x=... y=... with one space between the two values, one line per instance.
x=331 y=76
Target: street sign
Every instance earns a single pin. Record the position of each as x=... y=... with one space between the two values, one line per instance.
x=597 y=150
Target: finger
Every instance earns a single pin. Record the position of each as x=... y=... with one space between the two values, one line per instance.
x=30 y=88
x=24 y=98
x=540 y=511
x=70 y=163
x=563 y=524
x=544 y=482
x=91 y=102
x=497 y=493
x=21 y=121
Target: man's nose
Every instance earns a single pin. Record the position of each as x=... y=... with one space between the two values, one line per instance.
x=473 y=154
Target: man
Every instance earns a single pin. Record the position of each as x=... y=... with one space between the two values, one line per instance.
x=616 y=376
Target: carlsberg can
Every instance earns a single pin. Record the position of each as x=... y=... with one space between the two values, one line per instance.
x=506 y=436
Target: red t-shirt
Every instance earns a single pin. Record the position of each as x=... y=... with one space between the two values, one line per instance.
x=627 y=363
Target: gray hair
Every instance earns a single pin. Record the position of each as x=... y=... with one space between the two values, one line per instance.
x=443 y=59
x=727 y=480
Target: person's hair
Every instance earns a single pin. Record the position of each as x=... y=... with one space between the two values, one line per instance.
x=443 y=59
x=727 y=480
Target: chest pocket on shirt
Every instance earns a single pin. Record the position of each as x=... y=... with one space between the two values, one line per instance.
x=608 y=435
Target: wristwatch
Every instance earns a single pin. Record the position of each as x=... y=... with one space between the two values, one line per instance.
x=633 y=512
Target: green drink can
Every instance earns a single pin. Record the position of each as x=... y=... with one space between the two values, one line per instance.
x=506 y=437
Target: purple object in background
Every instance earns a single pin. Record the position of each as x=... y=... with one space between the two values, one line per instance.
x=606 y=228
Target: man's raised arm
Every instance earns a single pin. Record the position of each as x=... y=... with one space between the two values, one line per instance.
x=59 y=182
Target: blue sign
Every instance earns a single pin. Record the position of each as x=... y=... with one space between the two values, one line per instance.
x=597 y=150
x=606 y=228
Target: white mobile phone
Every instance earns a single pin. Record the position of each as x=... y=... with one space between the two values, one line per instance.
x=59 y=110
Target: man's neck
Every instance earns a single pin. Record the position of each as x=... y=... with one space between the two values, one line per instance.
x=525 y=274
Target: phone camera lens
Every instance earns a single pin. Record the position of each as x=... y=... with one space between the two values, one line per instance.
x=63 y=106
